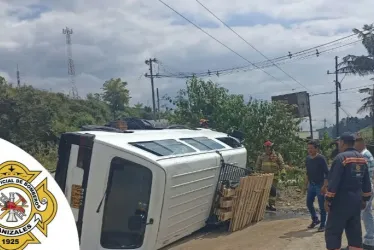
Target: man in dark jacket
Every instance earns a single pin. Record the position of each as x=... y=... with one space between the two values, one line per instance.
x=349 y=189
x=316 y=176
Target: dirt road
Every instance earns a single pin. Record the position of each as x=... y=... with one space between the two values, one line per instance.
x=285 y=234
x=283 y=230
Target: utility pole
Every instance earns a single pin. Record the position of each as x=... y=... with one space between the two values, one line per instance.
x=337 y=87
x=158 y=104
x=149 y=62
x=18 y=78
x=372 y=114
x=310 y=118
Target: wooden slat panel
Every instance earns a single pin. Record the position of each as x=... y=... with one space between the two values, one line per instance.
x=249 y=201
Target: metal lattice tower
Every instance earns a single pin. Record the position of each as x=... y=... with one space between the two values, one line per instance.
x=71 y=69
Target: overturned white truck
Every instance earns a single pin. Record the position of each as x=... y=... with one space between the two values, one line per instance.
x=143 y=189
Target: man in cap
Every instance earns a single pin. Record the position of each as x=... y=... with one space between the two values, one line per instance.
x=271 y=162
x=349 y=189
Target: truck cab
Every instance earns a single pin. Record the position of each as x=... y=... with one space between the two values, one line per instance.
x=116 y=184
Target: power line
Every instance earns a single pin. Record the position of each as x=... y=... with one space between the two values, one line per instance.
x=343 y=90
x=346 y=112
x=252 y=46
x=233 y=51
x=262 y=64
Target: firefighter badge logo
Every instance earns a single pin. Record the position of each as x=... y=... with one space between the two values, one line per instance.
x=26 y=205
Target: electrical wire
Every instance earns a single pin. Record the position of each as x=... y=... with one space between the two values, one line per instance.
x=342 y=91
x=346 y=112
x=252 y=46
x=233 y=51
x=262 y=64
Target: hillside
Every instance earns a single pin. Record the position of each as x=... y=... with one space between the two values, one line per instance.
x=367 y=133
x=350 y=124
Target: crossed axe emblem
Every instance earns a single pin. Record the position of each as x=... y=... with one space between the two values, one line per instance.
x=12 y=207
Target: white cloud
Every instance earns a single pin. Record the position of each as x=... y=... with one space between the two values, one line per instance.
x=113 y=39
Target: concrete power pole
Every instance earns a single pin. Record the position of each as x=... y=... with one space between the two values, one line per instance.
x=71 y=68
x=18 y=78
x=158 y=104
x=337 y=87
x=372 y=113
x=310 y=117
x=149 y=62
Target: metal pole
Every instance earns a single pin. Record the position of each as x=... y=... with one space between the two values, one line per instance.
x=372 y=114
x=158 y=104
x=337 y=104
x=310 y=118
x=150 y=61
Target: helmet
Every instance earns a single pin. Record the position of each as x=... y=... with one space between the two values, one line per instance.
x=268 y=144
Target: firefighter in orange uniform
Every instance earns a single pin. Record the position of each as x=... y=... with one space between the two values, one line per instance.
x=349 y=188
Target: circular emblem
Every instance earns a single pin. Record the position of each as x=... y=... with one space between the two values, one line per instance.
x=26 y=206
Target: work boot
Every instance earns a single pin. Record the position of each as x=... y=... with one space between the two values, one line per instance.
x=271 y=208
x=314 y=224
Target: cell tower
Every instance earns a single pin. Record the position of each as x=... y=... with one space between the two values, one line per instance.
x=71 y=69
x=18 y=78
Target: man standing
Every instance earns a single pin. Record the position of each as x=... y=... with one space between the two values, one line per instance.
x=271 y=162
x=349 y=189
x=367 y=215
x=316 y=181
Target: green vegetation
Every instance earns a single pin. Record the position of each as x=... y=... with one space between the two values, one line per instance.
x=366 y=133
x=259 y=120
x=34 y=119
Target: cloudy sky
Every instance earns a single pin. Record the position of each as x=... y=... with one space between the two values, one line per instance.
x=113 y=38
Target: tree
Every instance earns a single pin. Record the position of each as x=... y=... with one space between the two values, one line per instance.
x=325 y=145
x=139 y=111
x=361 y=65
x=368 y=102
x=116 y=95
x=259 y=120
x=34 y=119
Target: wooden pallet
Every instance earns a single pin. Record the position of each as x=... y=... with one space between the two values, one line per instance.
x=260 y=213
x=249 y=201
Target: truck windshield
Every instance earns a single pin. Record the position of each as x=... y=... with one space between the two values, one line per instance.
x=128 y=194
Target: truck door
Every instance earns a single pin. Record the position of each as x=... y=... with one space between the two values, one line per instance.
x=131 y=206
x=72 y=172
